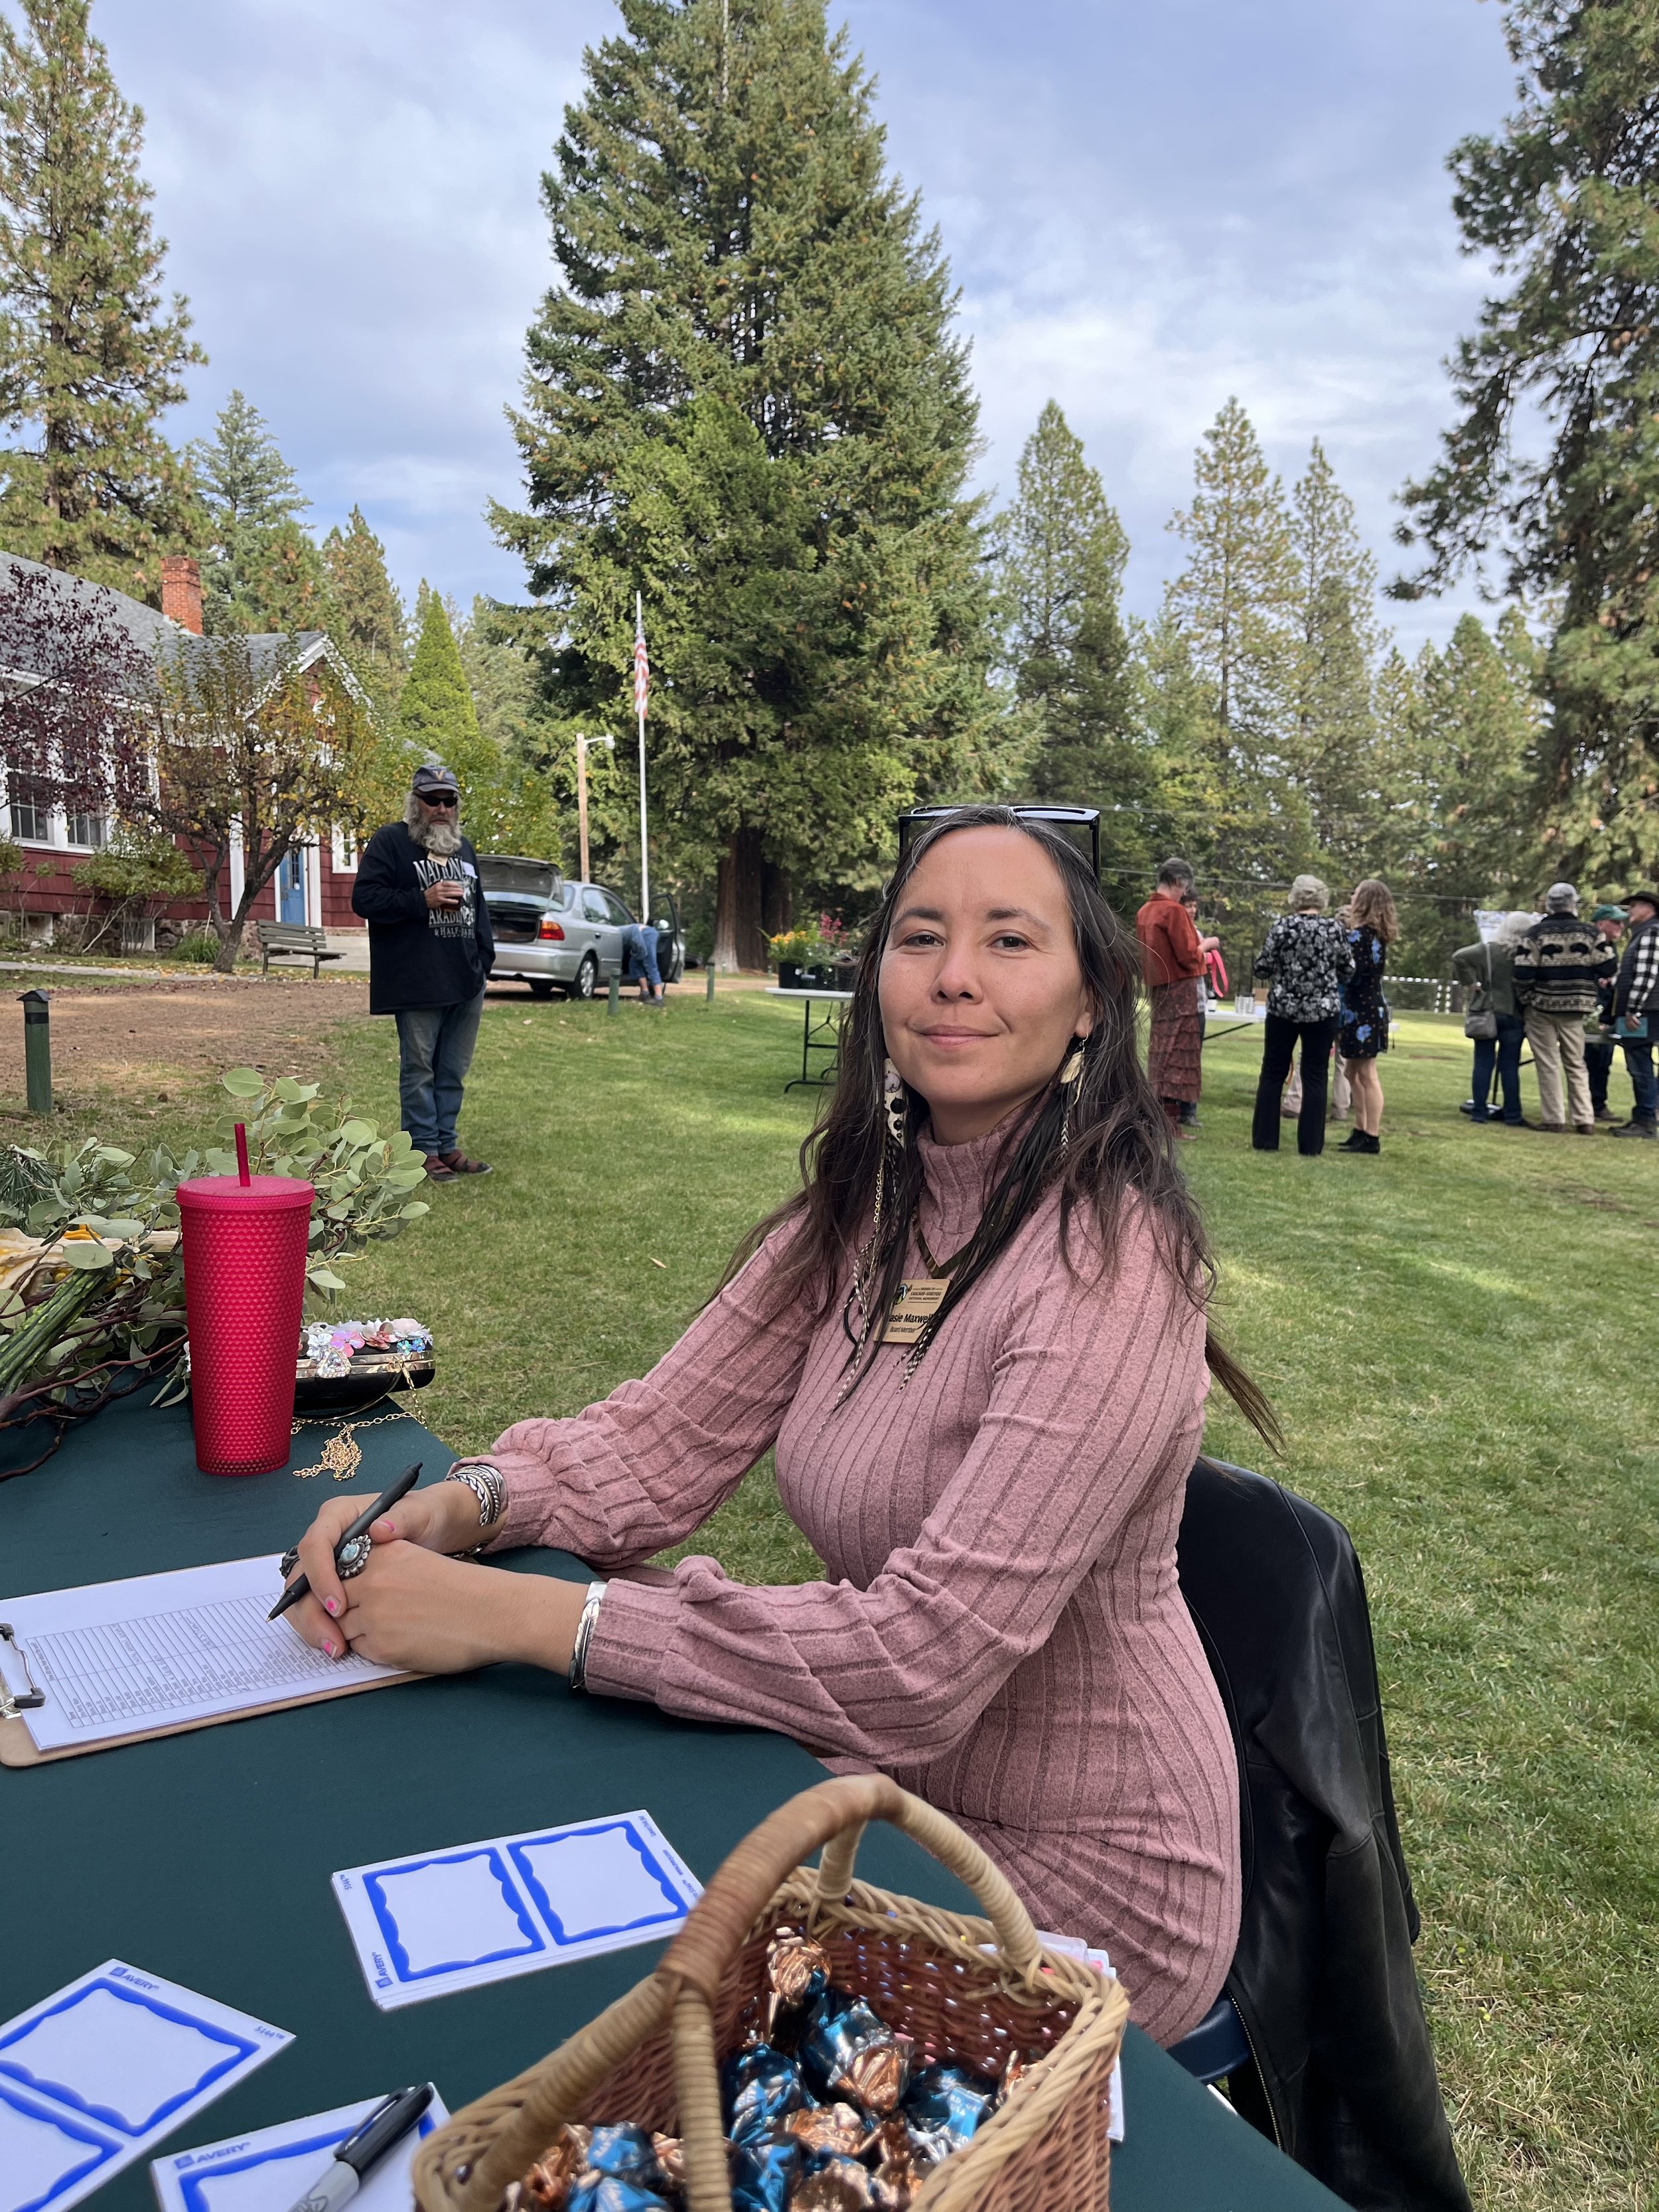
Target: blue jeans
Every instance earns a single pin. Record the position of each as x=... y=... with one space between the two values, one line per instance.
x=641 y=939
x=434 y=1051
x=1502 y=1052
x=1638 y=1060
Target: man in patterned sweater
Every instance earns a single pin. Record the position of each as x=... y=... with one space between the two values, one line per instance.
x=1558 y=965
x=1635 y=1001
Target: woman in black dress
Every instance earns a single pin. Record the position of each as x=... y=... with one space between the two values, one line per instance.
x=1372 y=926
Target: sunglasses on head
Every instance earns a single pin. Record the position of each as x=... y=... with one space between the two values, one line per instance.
x=1078 y=825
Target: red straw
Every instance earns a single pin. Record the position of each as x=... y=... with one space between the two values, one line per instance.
x=241 y=1154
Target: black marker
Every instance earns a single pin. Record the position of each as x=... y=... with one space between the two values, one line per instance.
x=385 y=2126
x=352 y=1552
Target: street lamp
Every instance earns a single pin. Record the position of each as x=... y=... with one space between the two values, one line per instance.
x=582 y=743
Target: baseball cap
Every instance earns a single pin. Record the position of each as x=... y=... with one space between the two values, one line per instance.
x=1609 y=914
x=433 y=780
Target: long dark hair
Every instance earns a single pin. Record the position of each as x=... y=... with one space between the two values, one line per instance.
x=1118 y=1144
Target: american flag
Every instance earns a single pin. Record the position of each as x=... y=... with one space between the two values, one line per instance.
x=642 y=667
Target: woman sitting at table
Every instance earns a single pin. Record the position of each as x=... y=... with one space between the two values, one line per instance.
x=976 y=1338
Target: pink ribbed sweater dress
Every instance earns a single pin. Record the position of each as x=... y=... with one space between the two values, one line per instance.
x=999 y=1627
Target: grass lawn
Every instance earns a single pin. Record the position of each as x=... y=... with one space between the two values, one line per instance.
x=1452 y=1334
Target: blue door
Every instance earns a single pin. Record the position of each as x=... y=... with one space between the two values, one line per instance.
x=291 y=889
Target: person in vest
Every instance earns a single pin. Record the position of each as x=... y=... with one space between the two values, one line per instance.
x=1558 y=965
x=430 y=950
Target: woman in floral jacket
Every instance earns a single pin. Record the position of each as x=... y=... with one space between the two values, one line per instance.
x=1306 y=961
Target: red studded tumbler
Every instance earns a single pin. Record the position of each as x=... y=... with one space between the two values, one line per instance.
x=244 y=1282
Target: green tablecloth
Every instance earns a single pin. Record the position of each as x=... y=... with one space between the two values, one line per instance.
x=206 y=1857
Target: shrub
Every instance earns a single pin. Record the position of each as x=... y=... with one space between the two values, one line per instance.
x=199 y=944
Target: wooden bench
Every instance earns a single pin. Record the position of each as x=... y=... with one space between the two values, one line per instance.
x=293 y=940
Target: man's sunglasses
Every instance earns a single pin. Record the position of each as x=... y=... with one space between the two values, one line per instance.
x=1080 y=825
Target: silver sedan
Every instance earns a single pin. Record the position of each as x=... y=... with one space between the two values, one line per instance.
x=552 y=933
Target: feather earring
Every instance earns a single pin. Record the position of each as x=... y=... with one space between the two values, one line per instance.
x=1071 y=1083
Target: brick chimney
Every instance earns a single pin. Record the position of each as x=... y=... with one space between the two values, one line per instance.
x=181 y=591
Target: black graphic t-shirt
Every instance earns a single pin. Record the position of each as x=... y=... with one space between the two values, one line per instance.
x=420 y=955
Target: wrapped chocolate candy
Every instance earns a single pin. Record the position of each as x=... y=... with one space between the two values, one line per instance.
x=547 y=2186
x=759 y=2088
x=846 y=2051
x=829 y=2128
x=950 y=2102
x=833 y=2183
x=670 y=2159
x=625 y=2152
x=763 y=2175
x=608 y=2192
x=1012 y=2073
x=797 y=1975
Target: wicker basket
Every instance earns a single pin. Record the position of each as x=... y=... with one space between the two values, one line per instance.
x=653 y=2056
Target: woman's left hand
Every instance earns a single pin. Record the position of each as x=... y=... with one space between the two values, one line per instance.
x=415 y=1608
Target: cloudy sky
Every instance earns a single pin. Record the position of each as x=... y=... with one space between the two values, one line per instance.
x=1147 y=208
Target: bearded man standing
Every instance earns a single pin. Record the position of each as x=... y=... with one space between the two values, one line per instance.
x=430 y=950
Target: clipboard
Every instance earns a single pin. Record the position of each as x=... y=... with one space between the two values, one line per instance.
x=18 y=1747
x=130 y=1660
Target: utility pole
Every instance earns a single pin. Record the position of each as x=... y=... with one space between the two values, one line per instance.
x=582 y=743
x=641 y=689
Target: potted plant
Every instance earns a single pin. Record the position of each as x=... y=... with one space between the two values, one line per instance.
x=814 y=957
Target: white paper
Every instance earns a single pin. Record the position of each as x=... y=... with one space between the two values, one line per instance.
x=1075 y=1948
x=457 y=1917
x=116 y=1658
x=272 y=2169
x=94 y=2075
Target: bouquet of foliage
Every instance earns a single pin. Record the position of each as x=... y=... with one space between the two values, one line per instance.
x=812 y=945
x=91 y=1281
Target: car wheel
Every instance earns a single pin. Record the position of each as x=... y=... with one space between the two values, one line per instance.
x=587 y=976
x=540 y=987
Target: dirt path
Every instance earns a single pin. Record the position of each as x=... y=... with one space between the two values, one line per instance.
x=150 y=1042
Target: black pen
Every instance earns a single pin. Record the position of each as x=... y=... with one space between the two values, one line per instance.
x=352 y=1552
x=386 y=2125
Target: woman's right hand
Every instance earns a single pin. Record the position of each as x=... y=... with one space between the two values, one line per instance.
x=443 y=1517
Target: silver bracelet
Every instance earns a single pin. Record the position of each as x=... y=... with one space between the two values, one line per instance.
x=489 y=1485
x=585 y=1626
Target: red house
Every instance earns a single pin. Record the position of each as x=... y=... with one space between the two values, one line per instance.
x=313 y=885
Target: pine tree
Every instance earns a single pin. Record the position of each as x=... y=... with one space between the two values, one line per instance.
x=89 y=356
x=747 y=399
x=257 y=575
x=1059 y=551
x=1333 y=753
x=1562 y=200
x=1237 y=598
x=374 y=627
x=436 y=716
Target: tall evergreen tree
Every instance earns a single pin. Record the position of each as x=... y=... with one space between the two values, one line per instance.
x=1059 y=551
x=436 y=714
x=1333 y=753
x=89 y=355
x=745 y=397
x=1562 y=200
x=263 y=571
x=1236 y=598
x=373 y=623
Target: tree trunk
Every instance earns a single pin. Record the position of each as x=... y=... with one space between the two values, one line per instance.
x=777 y=898
x=739 y=939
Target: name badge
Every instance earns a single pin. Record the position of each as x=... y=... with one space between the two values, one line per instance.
x=919 y=1299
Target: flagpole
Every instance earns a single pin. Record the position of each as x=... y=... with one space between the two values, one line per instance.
x=639 y=703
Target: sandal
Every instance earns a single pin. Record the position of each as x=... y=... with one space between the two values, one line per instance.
x=436 y=1170
x=459 y=1164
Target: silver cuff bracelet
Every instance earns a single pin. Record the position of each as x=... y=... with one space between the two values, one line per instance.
x=489 y=1485
x=585 y=1626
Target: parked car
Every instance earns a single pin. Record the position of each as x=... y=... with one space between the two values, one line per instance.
x=550 y=932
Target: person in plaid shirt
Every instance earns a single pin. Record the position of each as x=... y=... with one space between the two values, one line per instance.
x=1635 y=1000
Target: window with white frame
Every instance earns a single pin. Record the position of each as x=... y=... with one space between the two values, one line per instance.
x=29 y=804
x=344 y=855
x=88 y=830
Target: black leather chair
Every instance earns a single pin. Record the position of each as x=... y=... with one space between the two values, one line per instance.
x=1320 y=2032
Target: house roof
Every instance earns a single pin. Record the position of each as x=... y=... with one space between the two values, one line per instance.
x=153 y=633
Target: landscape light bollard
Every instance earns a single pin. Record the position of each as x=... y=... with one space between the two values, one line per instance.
x=709 y=985
x=614 y=996
x=36 y=1050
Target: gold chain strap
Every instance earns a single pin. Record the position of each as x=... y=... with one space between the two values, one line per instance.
x=341 y=1456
